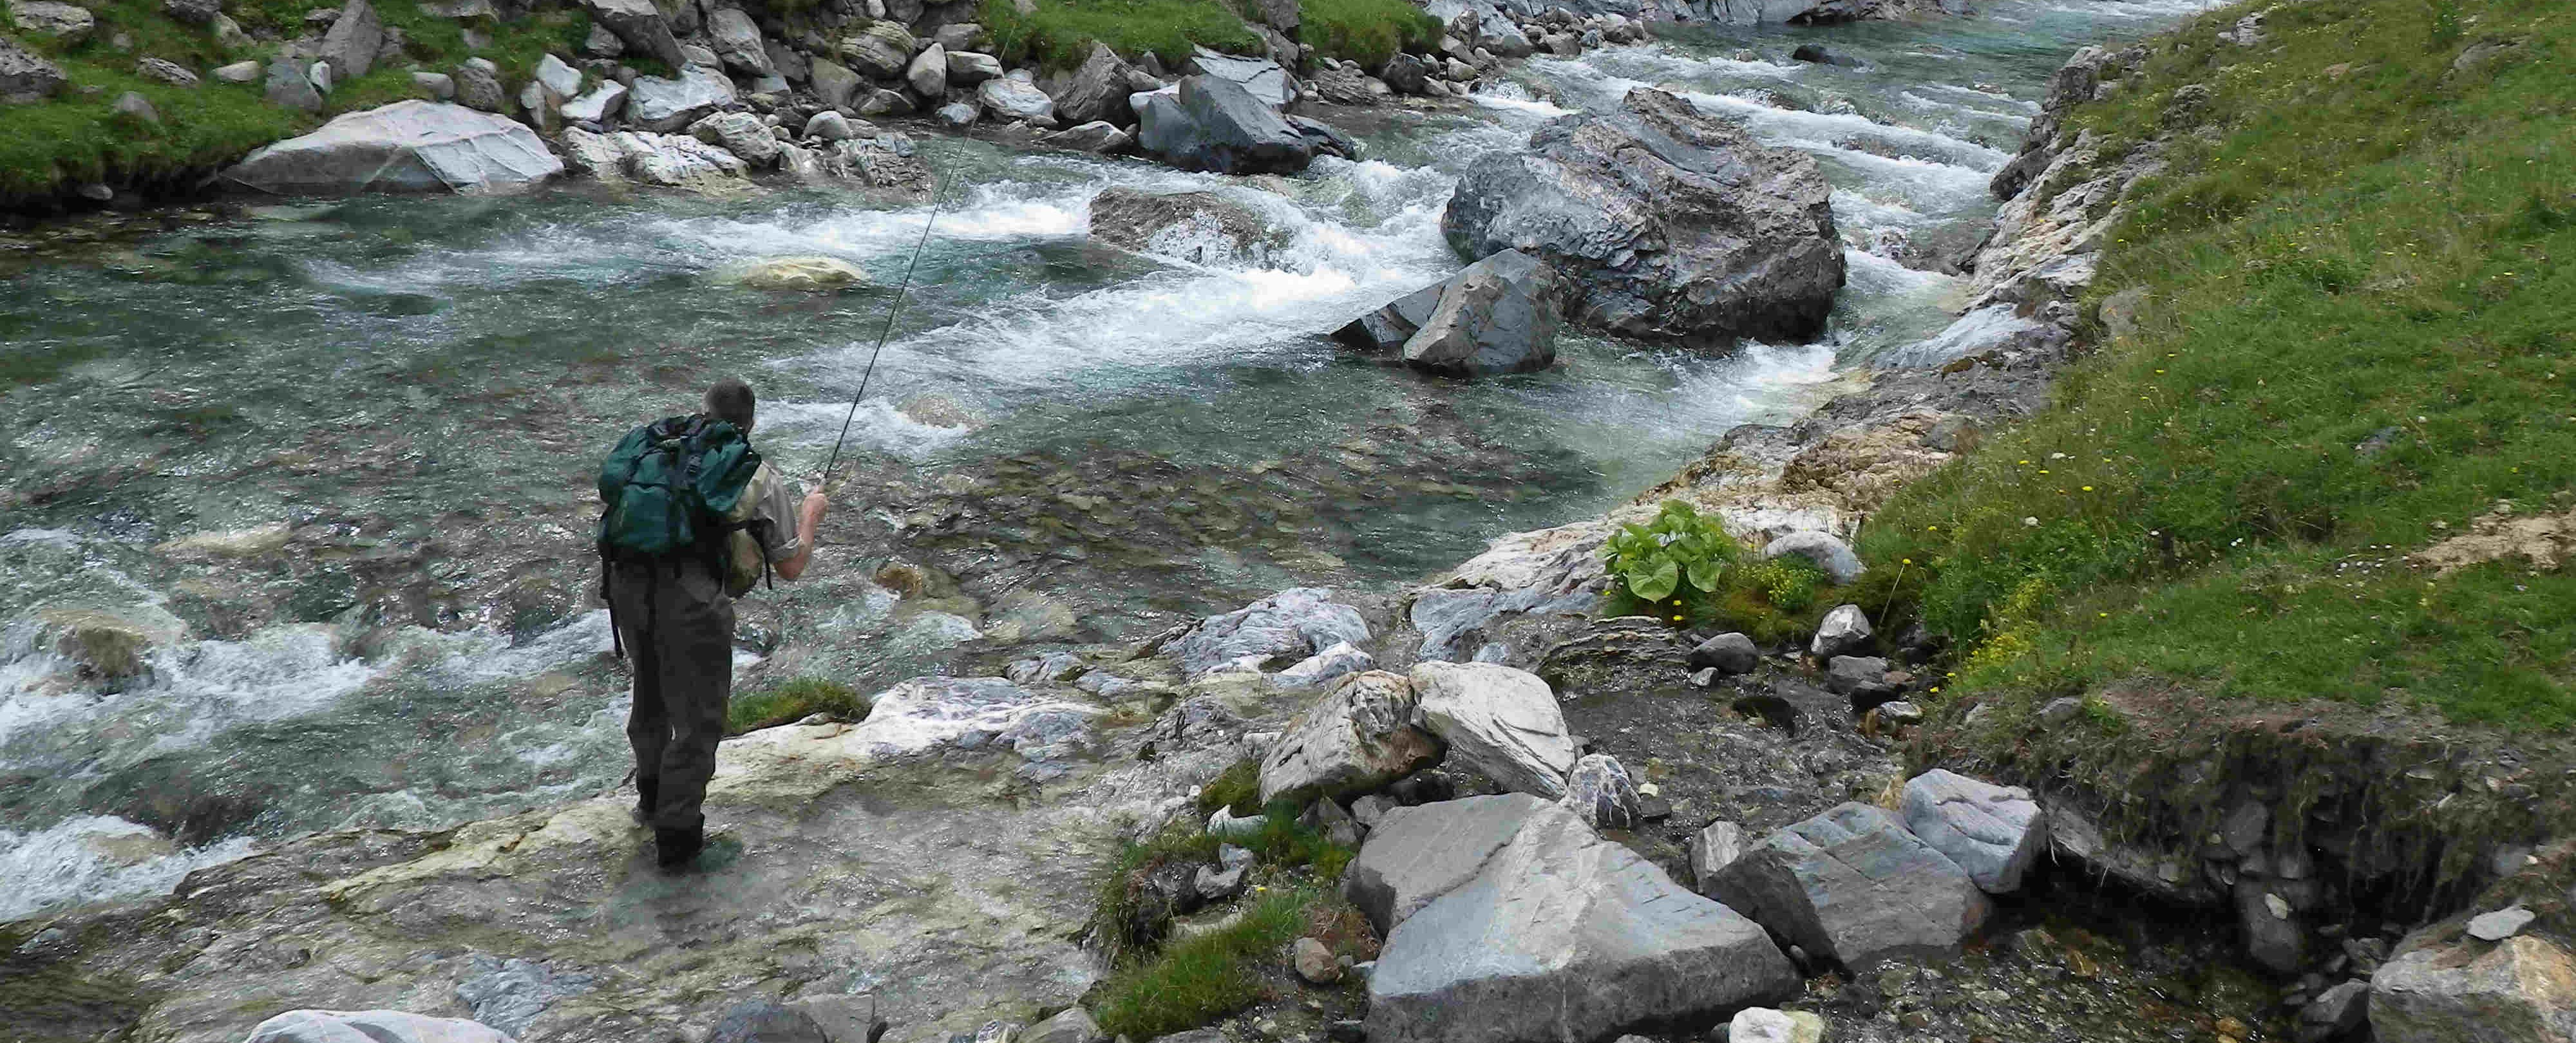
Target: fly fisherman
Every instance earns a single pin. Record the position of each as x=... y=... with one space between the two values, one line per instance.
x=693 y=518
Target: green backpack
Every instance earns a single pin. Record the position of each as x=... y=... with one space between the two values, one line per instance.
x=667 y=488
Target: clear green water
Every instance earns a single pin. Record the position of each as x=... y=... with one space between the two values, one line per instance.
x=418 y=388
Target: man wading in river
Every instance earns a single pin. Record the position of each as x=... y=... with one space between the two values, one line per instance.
x=693 y=519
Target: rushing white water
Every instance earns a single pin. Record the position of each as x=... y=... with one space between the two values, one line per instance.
x=405 y=395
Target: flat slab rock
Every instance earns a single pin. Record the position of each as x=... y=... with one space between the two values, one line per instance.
x=408 y=146
x=1993 y=832
x=1511 y=920
x=1854 y=886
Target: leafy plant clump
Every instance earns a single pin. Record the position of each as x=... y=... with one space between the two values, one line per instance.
x=1678 y=554
x=1683 y=568
x=2353 y=346
x=1366 y=31
x=794 y=701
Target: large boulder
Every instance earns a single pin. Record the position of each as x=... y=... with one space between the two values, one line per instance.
x=664 y=105
x=2444 y=987
x=1352 y=743
x=1844 y=630
x=738 y=44
x=1213 y=124
x=968 y=68
x=1497 y=316
x=1097 y=90
x=668 y=160
x=1289 y=625
x=1853 y=886
x=408 y=146
x=880 y=51
x=1502 y=722
x=353 y=41
x=1821 y=549
x=26 y=76
x=1384 y=331
x=835 y=84
x=1528 y=926
x=740 y=133
x=1993 y=832
x=65 y=24
x=595 y=106
x=1665 y=224
x=1199 y=227
x=928 y=73
x=1260 y=77
x=640 y=25
x=370 y=1026
x=1012 y=98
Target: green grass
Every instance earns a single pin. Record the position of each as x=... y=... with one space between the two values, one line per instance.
x=2371 y=254
x=78 y=137
x=1060 y=33
x=1282 y=846
x=1237 y=788
x=1366 y=31
x=791 y=702
x=1197 y=980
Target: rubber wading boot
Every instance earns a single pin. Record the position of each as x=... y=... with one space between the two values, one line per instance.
x=677 y=849
x=647 y=794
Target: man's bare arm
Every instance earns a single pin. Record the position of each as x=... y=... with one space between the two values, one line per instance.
x=809 y=522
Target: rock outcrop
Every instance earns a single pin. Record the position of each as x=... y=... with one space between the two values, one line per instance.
x=2444 y=987
x=408 y=146
x=1664 y=224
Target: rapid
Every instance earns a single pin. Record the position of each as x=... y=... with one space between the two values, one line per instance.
x=332 y=462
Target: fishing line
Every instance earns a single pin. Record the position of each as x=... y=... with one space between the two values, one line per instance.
x=892 y=310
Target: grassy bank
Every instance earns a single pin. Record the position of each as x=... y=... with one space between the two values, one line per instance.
x=1058 y=34
x=2356 y=343
x=78 y=137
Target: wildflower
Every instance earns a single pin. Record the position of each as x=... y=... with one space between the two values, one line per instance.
x=2088 y=488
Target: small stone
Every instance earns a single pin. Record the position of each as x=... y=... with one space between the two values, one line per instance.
x=2500 y=924
x=1845 y=630
x=1730 y=653
x=238 y=72
x=1315 y=962
x=2060 y=711
x=829 y=126
x=132 y=105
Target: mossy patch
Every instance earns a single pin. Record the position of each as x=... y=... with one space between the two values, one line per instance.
x=1058 y=34
x=794 y=701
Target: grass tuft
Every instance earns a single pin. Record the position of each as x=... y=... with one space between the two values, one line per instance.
x=1197 y=980
x=1238 y=789
x=1366 y=31
x=794 y=701
x=1058 y=34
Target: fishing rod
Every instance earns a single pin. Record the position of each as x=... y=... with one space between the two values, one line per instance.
x=937 y=190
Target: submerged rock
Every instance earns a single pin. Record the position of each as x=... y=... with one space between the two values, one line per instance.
x=800 y=273
x=1199 y=227
x=408 y=146
x=1665 y=224
x=369 y=1026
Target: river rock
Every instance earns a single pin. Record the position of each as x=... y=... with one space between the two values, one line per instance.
x=1072 y=1026
x=885 y=162
x=665 y=105
x=65 y=24
x=800 y=273
x=287 y=86
x=1345 y=85
x=668 y=160
x=928 y=73
x=1199 y=227
x=1260 y=77
x=353 y=42
x=1993 y=832
x=2441 y=988
x=1289 y=625
x=408 y=146
x=1404 y=73
x=834 y=84
x=1824 y=550
x=1712 y=850
x=1325 y=667
x=161 y=71
x=1853 y=886
x=829 y=126
x=560 y=79
x=1096 y=136
x=1599 y=790
x=880 y=51
x=1729 y=653
x=641 y=26
x=738 y=44
x=1012 y=98
x=477 y=88
x=1352 y=742
x=1665 y=224
x=247 y=72
x=1502 y=722
x=1384 y=331
x=370 y=1026
x=1497 y=316
x=1844 y=630
x=1571 y=936
x=968 y=68
x=595 y=106
x=740 y=133
x=1097 y=90
x=958 y=115
x=1212 y=124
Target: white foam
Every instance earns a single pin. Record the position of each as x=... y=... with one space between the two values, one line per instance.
x=1973 y=332
x=92 y=858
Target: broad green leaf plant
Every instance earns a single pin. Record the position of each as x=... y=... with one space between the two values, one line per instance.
x=1679 y=552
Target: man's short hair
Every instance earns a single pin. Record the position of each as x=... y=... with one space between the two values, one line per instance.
x=730 y=401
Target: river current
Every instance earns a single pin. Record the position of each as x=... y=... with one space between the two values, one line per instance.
x=336 y=457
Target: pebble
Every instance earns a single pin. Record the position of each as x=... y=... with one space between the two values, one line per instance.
x=2500 y=924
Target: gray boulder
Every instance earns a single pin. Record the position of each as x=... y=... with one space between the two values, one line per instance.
x=408 y=146
x=1096 y=136
x=1350 y=743
x=134 y=106
x=738 y=44
x=1844 y=630
x=1666 y=225
x=1097 y=90
x=1344 y=85
x=968 y=68
x=2335 y=1012
x=594 y=107
x=1289 y=625
x=1405 y=73
x=193 y=12
x=928 y=73
x=1600 y=792
x=1384 y=331
x=600 y=43
x=1497 y=316
x=248 y=72
x=476 y=88
x=559 y=78
x=1728 y=653
x=665 y=105
x=1503 y=723
x=877 y=101
x=355 y=38
x=1863 y=678
x=26 y=76
x=1823 y=549
x=1072 y=1026
x=1525 y=925
x=1212 y=124
x=1199 y=227
x=834 y=84
x=2274 y=935
x=1260 y=77
x=641 y=26
x=369 y=1026
x=831 y=126
x=740 y=133
x=2441 y=988
x=290 y=87
x=1013 y=98
x=1853 y=886
x=1993 y=832
x=880 y=51
x=1327 y=666
x=440 y=85
x=958 y=115
x=1712 y=850
x=168 y=72
x=65 y=24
